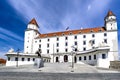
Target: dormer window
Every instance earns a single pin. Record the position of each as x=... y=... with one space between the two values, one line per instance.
x=70 y=33
x=100 y=30
x=80 y=32
x=63 y=34
x=46 y=35
x=54 y=34
x=91 y=30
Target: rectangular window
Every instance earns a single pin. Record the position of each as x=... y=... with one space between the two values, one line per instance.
x=57 y=50
x=57 y=44
x=35 y=41
x=94 y=56
x=84 y=49
x=75 y=37
x=105 y=34
x=93 y=41
x=47 y=51
x=33 y=59
x=103 y=56
x=93 y=35
x=16 y=58
x=8 y=58
x=28 y=59
x=80 y=58
x=66 y=50
x=57 y=39
x=75 y=43
x=89 y=57
x=48 y=40
x=84 y=57
x=47 y=45
x=66 y=38
x=66 y=44
x=39 y=45
x=84 y=36
x=105 y=40
x=84 y=42
x=39 y=40
x=23 y=59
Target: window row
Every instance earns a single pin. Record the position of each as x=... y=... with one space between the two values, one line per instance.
x=87 y=57
x=22 y=59
x=90 y=57
x=92 y=42
x=75 y=37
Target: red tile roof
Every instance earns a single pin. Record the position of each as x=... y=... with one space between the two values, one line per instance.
x=110 y=13
x=33 y=21
x=2 y=61
x=71 y=32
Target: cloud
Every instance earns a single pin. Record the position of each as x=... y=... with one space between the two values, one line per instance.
x=89 y=7
x=8 y=35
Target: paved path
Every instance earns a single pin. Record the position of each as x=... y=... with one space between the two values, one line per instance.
x=57 y=76
x=58 y=68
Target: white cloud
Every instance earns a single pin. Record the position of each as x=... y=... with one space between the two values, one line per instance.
x=89 y=7
x=6 y=34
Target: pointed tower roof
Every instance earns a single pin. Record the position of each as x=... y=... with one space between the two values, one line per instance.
x=110 y=13
x=33 y=21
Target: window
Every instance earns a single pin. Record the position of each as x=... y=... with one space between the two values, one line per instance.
x=16 y=58
x=57 y=50
x=27 y=46
x=84 y=36
x=39 y=45
x=75 y=37
x=23 y=59
x=47 y=45
x=63 y=34
x=91 y=30
x=84 y=57
x=84 y=49
x=94 y=56
x=75 y=43
x=80 y=32
x=33 y=59
x=105 y=40
x=57 y=39
x=35 y=41
x=93 y=35
x=57 y=44
x=66 y=44
x=48 y=40
x=28 y=59
x=66 y=38
x=70 y=33
x=80 y=58
x=103 y=56
x=93 y=41
x=47 y=51
x=105 y=34
x=89 y=57
x=84 y=42
x=66 y=50
x=39 y=40
x=8 y=58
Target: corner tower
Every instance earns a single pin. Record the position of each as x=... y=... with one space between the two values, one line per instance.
x=31 y=33
x=110 y=21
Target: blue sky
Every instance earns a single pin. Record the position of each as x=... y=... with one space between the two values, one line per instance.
x=51 y=15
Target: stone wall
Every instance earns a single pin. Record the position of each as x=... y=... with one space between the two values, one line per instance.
x=115 y=65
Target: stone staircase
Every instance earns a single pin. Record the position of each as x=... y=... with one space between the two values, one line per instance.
x=67 y=67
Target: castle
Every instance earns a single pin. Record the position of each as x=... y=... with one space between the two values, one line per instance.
x=95 y=46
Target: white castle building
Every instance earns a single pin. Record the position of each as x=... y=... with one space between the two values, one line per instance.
x=95 y=46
